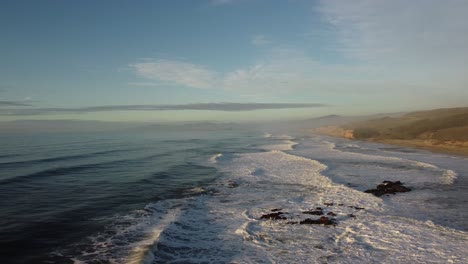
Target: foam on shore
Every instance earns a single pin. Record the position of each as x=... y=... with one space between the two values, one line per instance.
x=225 y=226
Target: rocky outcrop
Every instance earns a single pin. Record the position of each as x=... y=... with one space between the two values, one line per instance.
x=321 y=221
x=388 y=187
x=327 y=217
x=278 y=215
x=316 y=211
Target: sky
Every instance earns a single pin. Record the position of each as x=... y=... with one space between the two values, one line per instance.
x=229 y=59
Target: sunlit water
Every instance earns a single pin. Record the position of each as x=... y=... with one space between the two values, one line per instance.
x=197 y=197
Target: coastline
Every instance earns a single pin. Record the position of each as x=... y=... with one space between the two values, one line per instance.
x=456 y=148
x=447 y=147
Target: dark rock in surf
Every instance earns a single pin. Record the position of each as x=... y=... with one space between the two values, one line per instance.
x=321 y=221
x=331 y=213
x=317 y=211
x=274 y=216
x=388 y=187
x=232 y=184
x=276 y=210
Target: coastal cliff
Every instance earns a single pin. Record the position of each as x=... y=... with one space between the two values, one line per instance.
x=440 y=130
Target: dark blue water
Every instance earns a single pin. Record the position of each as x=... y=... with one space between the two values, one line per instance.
x=57 y=191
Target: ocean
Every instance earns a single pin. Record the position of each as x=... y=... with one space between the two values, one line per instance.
x=198 y=196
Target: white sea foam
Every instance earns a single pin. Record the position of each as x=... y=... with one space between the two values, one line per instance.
x=215 y=158
x=428 y=175
x=383 y=167
x=279 y=145
x=225 y=226
x=276 y=180
x=448 y=177
x=355 y=146
x=280 y=142
x=141 y=250
x=283 y=136
x=130 y=237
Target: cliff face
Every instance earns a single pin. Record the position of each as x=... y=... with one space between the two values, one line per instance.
x=335 y=131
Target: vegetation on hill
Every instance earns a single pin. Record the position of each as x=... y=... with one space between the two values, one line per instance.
x=441 y=124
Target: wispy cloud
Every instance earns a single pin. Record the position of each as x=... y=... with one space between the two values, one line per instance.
x=390 y=48
x=260 y=40
x=412 y=50
x=13 y=103
x=420 y=31
x=288 y=72
x=176 y=72
x=228 y=107
x=282 y=71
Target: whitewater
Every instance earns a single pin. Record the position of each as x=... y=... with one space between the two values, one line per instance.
x=205 y=196
x=221 y=222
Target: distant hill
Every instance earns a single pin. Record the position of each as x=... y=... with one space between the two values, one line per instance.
x=440 y=129
x=335 y=120
x=441 y=124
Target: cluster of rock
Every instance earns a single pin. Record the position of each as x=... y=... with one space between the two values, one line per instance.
x=326 y=218
x=277 y=215
x=388 y=187
x=323 y=220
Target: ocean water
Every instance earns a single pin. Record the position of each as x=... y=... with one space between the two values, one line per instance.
x=198 y=196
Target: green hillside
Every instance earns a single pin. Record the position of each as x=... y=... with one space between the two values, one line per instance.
x=441 y=124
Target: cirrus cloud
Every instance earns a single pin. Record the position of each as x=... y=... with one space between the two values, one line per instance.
x=387 y=48
x=176 y=72
x=418 y=31
x=281 y=72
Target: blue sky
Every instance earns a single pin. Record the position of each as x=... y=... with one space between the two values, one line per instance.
x=156 y=60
